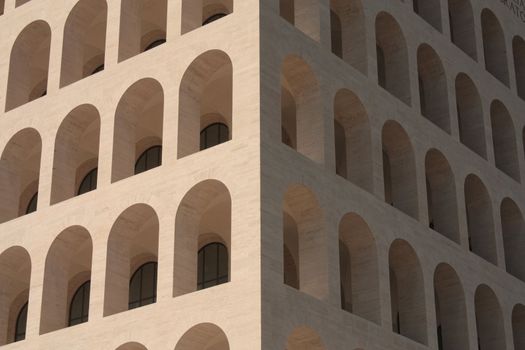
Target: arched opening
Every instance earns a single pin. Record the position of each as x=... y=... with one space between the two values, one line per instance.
x=304 y=338
x=301 y=118
x=202 y=238
x=19 y=174
x=504 y=140
x=407 y=292
x=399 y=169
x=358 y=269
x=132 y=248
x=494 y=46
x=304 y=242
x=513 y=230
x=518 y=48
x=304 y=14
x=462 y=31
x=15 y=275
x=84 y=46
x=433 y=94
x=28 y=65
x=489 y=319
x=138 y=126
x=392 y=57
x=348 y=32
x=76 y=154
x=142 y=26
x=518 y=327
x=149 y=159
x=132 y=346
x=470 y=115
x=479 y=219
x=353 y=144
x=204 y=336
x=205 y=98
x=198 y=13
x=430 y=11
x=67 y=269
x=441 y=196
x=451 y=312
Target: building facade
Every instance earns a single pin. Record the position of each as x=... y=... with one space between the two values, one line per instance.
x=275 y=174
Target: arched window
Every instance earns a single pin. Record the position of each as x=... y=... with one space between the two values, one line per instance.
x=212 y=266
x=89 y=183
x=155 y=44
x=31 y=206
x=100 y=68
x=213 y=18
x=21 y=322
x=143 y=286
x=518 y=49
x=494 y=46
x=430 y=11
x=79 y=308
x=149 y=159
x=213 y=135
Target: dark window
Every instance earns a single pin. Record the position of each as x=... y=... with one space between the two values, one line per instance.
x=381 y=67
x=440 y=337
x=89 y=183
x=155 y=44
x=212 y=266
x=149 y=159
x=31 y=206
x=337 y=34
x=422 y=96
x=98 y=69
x=214 y=135
x=213 y=18
x=21 y=321
x=143 y=286
x=79 y=308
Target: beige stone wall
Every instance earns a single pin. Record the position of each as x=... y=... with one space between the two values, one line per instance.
x=284 y=212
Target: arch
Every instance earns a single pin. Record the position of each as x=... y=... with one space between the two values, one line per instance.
x=430 y=11
x=213 y=266
x=205 y=97
x=142 y=23
x=399 y=169
x=305 y=238
x=441 y=195
x=494 y=46
x=301 y=116
x=304 y=14
x=433 y=94
x=84 y=45
x=213 y=135
x=19 y=173
x=518 y=49
x=21 y=323
x=462 y=32
x=28 y=65
x=451 y=311
x=89 y=182
x=203 y=217
x=513 y=231
x=407 y=292
x=204 y=336
x=353 y=144
x=133 y=240
x=138 y=125
x=358 y=268
x=348 y=32
x=304 y=338
x=76 y=151
x=518 y=326
x=15 y=275
x=68 y=266
x=149 y=159
x=479 y=219
x=392 y=57
x=132 y=346
x=198 y=13
x=470 y=115
x=489 y=319
x=504 y=140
